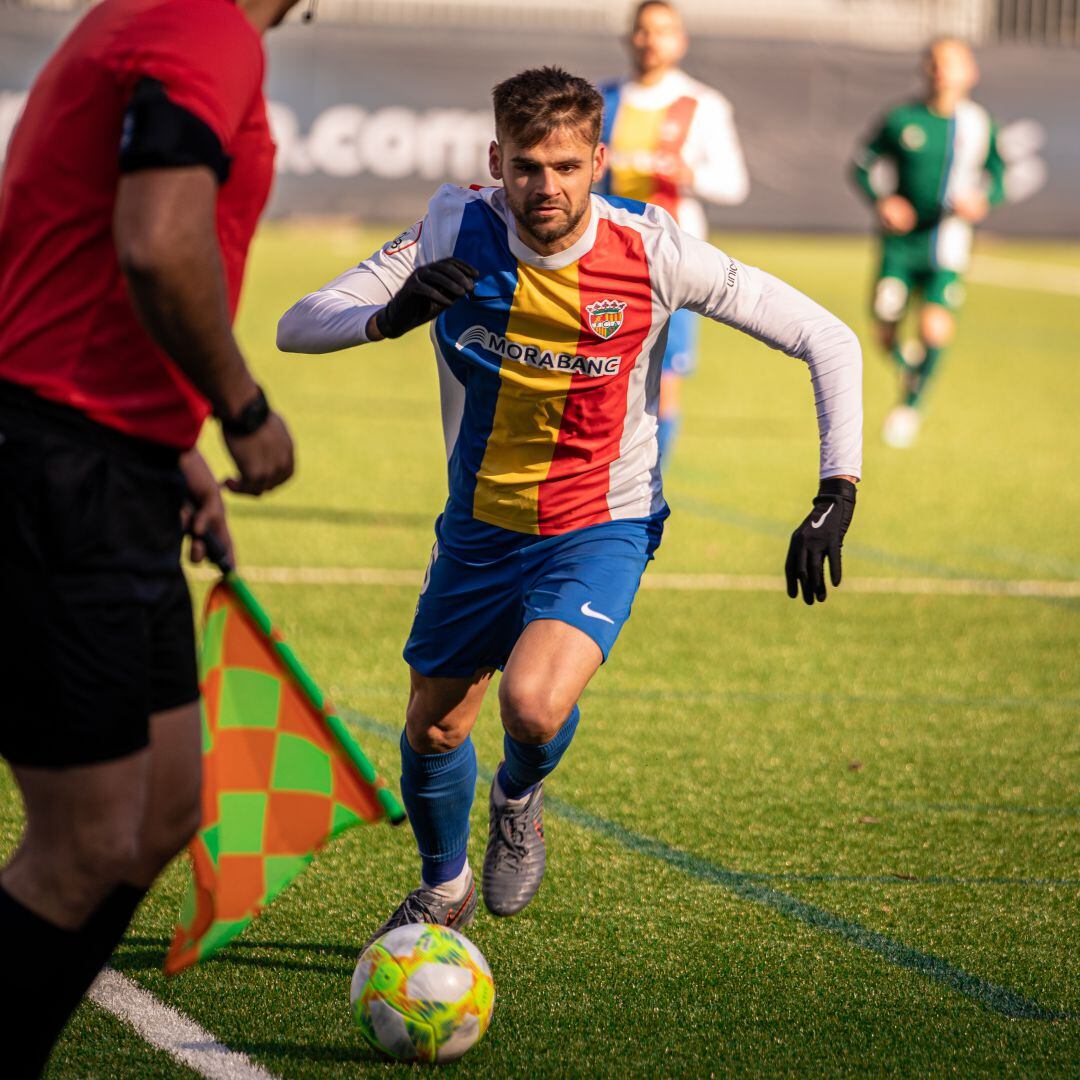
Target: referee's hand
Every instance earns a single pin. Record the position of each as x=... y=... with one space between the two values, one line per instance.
x=203 y=513
x=265 y=457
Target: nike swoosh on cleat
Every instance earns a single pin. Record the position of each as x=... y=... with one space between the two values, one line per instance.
x=587 y=610
x=817 y=524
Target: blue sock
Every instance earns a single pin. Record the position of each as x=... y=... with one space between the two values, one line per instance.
x=666 y=430
x=527 y=764
x=438 y=792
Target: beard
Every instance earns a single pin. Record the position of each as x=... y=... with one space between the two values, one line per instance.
x=549 y=229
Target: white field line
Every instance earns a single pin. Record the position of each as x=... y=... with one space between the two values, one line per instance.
x=171 y=1031
x=927 y=586
x=1014 y=274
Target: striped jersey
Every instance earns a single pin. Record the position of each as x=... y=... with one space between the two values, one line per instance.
x=931 y=159
x=651 y=130
x=550 y=368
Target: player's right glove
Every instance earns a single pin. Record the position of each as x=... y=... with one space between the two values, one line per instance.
x=819 y=537
x=428 y=291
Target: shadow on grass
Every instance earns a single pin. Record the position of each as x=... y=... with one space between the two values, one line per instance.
x=141 y=953
x=330 y=515
x=267 y=1051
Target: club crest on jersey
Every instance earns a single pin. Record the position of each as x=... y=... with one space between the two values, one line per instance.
x=605 y=317
x=913 y=137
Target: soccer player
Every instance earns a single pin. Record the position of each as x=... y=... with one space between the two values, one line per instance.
x=942 y=174
x=671 y=140
x=131 y=189
x=550 y=306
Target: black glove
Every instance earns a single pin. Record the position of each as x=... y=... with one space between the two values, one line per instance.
x=427 y=291
x=820 y=535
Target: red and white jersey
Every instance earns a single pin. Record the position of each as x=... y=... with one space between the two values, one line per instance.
x=550 y=368
x=653 y=132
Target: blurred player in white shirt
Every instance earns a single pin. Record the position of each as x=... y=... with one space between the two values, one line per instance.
x=671 y=141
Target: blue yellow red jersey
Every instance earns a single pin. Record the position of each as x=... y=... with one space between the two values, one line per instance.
x=549 y=369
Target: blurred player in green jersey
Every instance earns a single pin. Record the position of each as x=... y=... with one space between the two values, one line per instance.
x=932 y=171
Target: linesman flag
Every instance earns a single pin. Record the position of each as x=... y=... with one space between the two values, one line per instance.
x=281 y=775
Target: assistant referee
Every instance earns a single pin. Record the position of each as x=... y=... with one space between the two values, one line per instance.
x=132 y=187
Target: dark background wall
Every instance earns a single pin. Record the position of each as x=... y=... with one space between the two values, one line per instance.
x=370 y=120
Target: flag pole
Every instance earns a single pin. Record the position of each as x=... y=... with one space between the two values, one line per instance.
x=217 y=554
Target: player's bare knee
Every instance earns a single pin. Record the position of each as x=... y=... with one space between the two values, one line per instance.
x=890 y=301
x=936 y=326
x=429 y=734
x=530 y=712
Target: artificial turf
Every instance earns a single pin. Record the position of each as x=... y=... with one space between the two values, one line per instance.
x=844 y=839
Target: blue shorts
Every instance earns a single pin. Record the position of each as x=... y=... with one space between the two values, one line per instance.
x=680 y=356
x=470 y=614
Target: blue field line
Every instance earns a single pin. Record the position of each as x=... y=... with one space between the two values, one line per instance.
x=1029 y=560
x=1005 y=704
x=769 y=527
x=999 y=999
x=909 y=879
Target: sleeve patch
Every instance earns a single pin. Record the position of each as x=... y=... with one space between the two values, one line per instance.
x=407 y=239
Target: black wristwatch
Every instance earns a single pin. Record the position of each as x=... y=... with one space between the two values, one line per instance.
x=250 y=418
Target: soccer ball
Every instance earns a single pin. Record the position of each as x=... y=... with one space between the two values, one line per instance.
x=422 y=993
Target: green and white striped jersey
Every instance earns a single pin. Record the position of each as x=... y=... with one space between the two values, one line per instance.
x=930 y=160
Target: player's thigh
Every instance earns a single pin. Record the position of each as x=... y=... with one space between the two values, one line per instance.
x=579 y=590
x=549 y=668
x=892 y=289
x=891 y=295
x=670 y=393
x=442 y=711
x=467 y=617
x=943 y=296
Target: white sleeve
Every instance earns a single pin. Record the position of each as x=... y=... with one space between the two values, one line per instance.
x=715 y=285
x=713 y=152
x=336 y=316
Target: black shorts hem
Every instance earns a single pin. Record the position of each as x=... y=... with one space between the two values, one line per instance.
x=72 y=757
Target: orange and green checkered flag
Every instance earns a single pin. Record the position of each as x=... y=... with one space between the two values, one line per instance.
x=281 y=775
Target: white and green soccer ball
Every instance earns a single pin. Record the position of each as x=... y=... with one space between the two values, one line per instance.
x=422 y=993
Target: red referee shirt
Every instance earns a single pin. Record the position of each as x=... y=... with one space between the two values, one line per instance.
x=68 y=330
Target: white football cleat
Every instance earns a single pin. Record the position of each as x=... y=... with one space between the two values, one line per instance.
x=901 y=427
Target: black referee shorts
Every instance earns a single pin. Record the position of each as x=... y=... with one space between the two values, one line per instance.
x=95 y=621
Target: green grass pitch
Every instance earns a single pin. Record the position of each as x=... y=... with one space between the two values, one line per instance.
x=838 y=840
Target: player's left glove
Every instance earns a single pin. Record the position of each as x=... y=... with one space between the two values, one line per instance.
x=821 y=535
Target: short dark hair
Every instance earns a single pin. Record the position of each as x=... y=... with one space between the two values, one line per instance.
x=533 y=103
x=645 y=4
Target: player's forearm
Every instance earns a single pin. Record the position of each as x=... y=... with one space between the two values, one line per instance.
x=325 y=322
x=785 y=319
x=338 y=316
x=179 y=294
